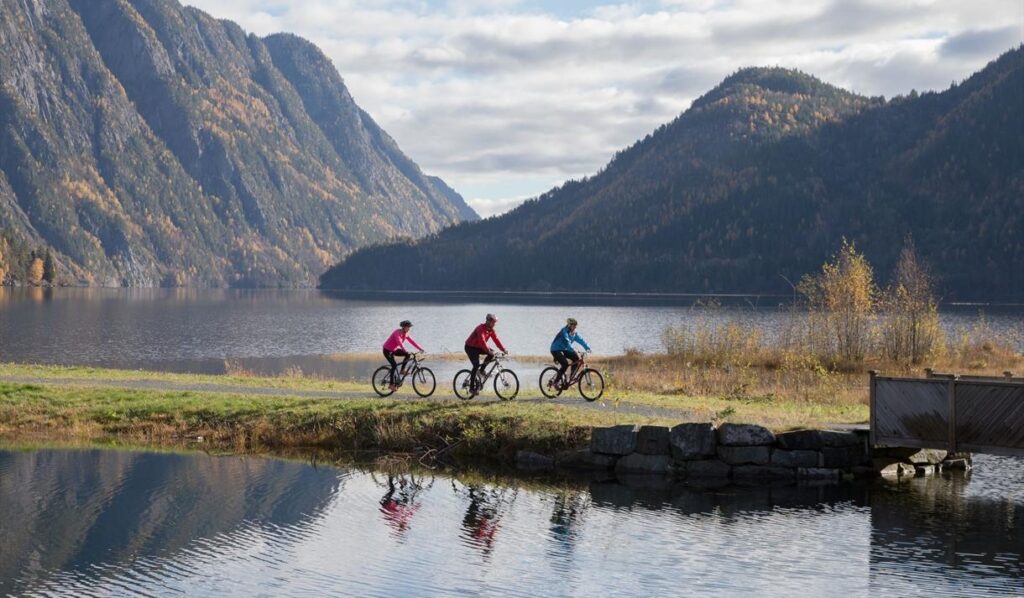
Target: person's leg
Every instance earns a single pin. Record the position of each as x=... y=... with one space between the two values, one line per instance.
x=563 y=363
x=575 y=358
x=391 y=361
x=405 y=354
x=474 y=359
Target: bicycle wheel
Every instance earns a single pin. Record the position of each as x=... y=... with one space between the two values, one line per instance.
x=591 y=384
x=547 y=382
x=461 y=385
x=381 y=381
x=423 y=382
x=506 y=385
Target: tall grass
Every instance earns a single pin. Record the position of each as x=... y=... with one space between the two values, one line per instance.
x=715 y=355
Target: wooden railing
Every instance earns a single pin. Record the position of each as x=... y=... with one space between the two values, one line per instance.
x=977 y=414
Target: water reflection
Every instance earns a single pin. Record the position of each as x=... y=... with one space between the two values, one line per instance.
x=401 y=500
x=484 y=510
x=103 y=522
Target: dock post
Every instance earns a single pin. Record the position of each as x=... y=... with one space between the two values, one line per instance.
x=952 y=414
x=872 y=432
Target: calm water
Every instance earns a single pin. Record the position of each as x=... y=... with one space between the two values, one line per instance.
x=97 y=522
x=270 y=331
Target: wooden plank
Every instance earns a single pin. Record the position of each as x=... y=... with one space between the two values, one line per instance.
x=911 y=409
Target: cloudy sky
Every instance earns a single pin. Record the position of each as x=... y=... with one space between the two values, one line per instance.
x=506 y=98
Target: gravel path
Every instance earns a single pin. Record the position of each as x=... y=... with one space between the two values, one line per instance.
x=163 y=385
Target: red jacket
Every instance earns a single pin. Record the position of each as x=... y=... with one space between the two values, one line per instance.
x=481 y=334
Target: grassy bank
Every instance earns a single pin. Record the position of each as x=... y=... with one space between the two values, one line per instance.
x=257 y=423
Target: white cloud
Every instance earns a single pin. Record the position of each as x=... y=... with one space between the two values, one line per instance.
x=491 y=94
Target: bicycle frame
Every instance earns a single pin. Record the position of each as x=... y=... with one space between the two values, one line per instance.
x=486 y=371
x=411 y=363
x=575 y=370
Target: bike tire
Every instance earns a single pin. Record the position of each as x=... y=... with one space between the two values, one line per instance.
x=506 y=385
x=460 y=384
x=591 y=385
x=546 y=381
x=381 y=381
x=424 y=382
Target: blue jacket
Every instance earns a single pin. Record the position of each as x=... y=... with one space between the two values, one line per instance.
x=564 y=340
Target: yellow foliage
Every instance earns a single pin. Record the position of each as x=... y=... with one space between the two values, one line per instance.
x=35 y=271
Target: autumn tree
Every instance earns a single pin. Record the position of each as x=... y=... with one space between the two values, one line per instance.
x=35 y=271
x=842 y=299
x=911 y=332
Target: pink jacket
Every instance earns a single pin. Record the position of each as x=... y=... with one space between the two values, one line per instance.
x=397 y=341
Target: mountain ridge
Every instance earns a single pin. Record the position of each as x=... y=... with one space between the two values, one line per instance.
x=748 y=188
x=146 y=143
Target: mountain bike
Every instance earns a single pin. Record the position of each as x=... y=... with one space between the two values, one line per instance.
x=589 y=381
x=506 y=383
x=423 y=381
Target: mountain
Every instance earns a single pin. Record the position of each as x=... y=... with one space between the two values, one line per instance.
x=758 y=182
x=143 y=143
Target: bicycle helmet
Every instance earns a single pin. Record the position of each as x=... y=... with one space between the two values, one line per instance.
x=491 y=318
x=405 y=323
x=571 y=322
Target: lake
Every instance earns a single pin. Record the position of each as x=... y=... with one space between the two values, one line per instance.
x=96 y=522
x=270 y=331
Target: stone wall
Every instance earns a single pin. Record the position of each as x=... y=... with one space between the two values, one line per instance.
x=743 y=453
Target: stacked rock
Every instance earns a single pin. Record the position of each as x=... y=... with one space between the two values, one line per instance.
x=745 y=453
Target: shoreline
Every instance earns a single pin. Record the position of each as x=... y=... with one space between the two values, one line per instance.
x=250 y=414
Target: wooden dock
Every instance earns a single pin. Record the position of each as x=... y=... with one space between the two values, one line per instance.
x=973 y=414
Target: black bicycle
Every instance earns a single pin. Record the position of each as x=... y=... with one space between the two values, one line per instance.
x=423 y=381
x=589 y=381
x=506 y=383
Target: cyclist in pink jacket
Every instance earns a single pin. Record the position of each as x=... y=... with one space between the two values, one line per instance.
x=395 y=347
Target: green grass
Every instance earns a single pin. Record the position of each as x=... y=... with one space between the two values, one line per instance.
x=256 y=423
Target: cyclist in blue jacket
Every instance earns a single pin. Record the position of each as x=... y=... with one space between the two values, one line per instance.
x=562 y=351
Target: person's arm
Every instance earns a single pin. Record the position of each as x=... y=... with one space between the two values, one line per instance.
x=414 y=343
x=497 y=341
x=583 y=343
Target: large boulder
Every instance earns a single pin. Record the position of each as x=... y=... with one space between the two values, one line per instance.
x=615 y=440
x=692 y=441
x=794 y=459
x=585 y=459
x=890 y=468
x=645 y=464
x=652 y=440
x=928 y=457
x=709 y=468
x=815 y=440
x=762 y=473
x=744 y=435
x=740 y=455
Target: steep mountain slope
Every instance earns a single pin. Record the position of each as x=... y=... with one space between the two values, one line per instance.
x=148 y=143
x=758 y=182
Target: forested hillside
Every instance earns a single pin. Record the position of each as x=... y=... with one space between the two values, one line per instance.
x=145 y=143
x=756 y=183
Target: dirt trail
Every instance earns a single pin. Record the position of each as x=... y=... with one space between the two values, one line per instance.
x=163 y=385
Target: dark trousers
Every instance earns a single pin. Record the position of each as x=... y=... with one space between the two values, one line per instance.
x=563 y=358
x=474 y=354
x=390 y=356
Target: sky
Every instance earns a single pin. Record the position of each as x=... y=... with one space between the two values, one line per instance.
x=505 y=99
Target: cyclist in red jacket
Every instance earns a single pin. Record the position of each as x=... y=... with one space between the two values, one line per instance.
x=476 y=345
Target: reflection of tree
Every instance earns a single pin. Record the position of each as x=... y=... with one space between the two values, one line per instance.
x=76 y=510
x=483 y=516
x=400 y=502
x=567 y=520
